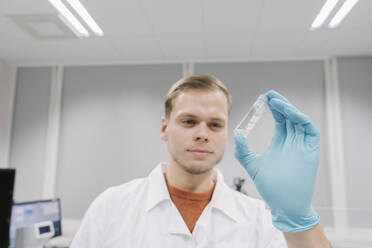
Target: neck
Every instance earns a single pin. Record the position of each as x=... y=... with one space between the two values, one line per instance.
x=181 y=179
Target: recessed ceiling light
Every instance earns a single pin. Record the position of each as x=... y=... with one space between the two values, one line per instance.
x=341 y=14
x=70 y=18
x=79 y=8
x=323 y=14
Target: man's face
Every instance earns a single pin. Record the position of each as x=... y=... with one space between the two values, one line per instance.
x=196 y=130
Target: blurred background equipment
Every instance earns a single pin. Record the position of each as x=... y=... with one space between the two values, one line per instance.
x=31 y=214
x=238 y=184
x=34 y=236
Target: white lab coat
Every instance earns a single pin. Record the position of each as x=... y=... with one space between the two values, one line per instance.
x=140 y=213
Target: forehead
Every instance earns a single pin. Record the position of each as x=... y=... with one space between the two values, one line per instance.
x=203 y=104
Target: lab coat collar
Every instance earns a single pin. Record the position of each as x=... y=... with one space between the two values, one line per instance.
x=157 y=187
x=222 y=198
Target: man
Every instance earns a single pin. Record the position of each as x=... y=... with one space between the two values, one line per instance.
x=186 y=203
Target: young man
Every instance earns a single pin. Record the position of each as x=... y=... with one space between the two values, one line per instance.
x=186 y=203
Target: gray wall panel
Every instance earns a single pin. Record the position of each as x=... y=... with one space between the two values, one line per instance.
x=110 y=128
x=29 y=131
x=355 y=76
x=7 y=89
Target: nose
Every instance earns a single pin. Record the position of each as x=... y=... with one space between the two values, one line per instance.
x=201 y=133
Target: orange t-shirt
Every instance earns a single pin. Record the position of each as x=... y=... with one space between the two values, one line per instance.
x=190 y=204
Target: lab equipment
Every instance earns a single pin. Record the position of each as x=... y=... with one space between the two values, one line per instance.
x=238 y=184
x=251 y=118
x=30 y=213
x=34 y=236
x=285 y=174
x=6 y=200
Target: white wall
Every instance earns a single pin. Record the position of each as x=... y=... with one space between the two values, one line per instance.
x=7 y=89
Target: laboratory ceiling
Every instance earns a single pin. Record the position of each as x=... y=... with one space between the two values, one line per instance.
x=187 y=30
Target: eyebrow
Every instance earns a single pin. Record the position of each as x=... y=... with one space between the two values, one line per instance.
x=194 y=116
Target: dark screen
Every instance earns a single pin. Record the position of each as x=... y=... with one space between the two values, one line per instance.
x=44 y=229
x=6 y=200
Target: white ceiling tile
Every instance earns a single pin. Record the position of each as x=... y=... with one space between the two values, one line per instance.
x=182 y=45
x=118 y=17
x=170 y=16
x=10 y=30
x=10 y=7
x=228 y=45
x=359 y=17
x=334 y=42
x=139 y=47
x=276 y=42
x=87 y=50
x=231 y=16
x=292 y=14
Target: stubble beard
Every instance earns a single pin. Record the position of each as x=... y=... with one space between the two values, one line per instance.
x=196 y=169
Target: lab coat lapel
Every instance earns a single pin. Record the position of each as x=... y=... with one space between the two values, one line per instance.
x=176 y=223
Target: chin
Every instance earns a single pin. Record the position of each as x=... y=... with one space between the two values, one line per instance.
x=198 y=168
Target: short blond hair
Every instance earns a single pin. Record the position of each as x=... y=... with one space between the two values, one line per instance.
x=194 y=82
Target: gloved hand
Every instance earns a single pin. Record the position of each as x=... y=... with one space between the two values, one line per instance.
x=285 y=174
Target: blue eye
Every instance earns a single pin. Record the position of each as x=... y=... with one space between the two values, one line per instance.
x=216 y=125
x=189 y=122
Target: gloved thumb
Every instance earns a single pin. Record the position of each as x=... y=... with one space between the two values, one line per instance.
x=244 y=155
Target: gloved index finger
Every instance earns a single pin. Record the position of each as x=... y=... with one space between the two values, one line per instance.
x=289 y=111
x=271 y=94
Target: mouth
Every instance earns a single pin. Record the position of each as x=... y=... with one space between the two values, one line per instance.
x=199 y=152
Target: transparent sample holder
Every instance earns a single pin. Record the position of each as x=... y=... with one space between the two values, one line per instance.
x=254 y=114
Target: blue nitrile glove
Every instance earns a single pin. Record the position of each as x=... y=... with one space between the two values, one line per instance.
x=285 y=174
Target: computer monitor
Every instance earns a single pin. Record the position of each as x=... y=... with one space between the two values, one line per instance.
x=29 y=213
x=6 y=201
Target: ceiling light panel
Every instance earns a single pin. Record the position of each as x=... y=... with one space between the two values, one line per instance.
x=324 y=13
x=342 y=13
x=80 y=9
x=68 y=16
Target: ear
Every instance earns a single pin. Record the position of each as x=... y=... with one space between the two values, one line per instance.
x=163 y=129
